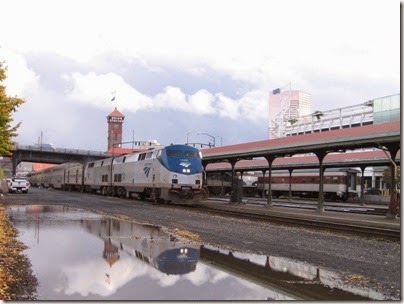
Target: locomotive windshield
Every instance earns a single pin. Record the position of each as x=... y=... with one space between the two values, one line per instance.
x=174 y=153
x=191 y=153
x=181 y=153
x=181 y=159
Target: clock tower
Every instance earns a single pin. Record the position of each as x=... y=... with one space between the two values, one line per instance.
x=115 y=122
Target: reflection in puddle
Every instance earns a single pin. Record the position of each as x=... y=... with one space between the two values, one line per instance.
x=79 y=255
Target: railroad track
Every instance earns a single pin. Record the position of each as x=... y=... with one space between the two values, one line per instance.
x=313 y=206
x=287 y=219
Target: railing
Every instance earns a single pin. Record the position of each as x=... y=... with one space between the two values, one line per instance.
x=338 y=118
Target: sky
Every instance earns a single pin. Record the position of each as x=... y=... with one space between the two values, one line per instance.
x=180 y=68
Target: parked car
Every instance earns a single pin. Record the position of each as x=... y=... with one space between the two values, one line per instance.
x=18 y=184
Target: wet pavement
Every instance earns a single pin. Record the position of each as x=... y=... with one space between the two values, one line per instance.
x=78 y=255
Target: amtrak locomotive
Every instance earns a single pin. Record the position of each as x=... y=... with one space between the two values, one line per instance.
x=160 y=173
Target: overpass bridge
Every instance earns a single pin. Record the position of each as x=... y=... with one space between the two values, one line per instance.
x=39 y=154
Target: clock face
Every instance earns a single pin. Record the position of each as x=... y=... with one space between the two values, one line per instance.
x=116 y=126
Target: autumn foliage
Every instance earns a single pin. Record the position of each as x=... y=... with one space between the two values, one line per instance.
x=8 y=105
x=16 y=279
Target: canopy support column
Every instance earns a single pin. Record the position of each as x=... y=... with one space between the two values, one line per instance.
x=290 y=183
x=320 y=155
x=363 y=167
x=270 y=159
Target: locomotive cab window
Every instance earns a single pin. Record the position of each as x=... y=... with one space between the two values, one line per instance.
x=191 y=153
x=174 y=153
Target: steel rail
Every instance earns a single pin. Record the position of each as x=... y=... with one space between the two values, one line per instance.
x=313 y=206
x=353 y=228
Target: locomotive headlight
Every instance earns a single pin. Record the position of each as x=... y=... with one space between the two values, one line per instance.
x=184 y=170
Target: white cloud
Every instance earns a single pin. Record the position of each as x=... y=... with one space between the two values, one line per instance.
x=257 y=42
x=254 y=105
x=172 y=98
x=202 y=102
x=20 y=78
x=226 y=106
x=96 y=90
x=343 y=53
x=97 y=277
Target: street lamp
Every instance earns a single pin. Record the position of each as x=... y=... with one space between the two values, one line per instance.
x=188 y=136
x=221 y=140
x=214 y=140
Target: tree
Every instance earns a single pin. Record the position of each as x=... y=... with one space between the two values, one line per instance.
x=8 y=105
x=387 y=176
x=318 y=114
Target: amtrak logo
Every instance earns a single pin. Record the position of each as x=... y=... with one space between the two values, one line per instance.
x=185 y=164
x=146 y=171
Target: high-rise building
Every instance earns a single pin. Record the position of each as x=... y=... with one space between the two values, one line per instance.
x=284 y=107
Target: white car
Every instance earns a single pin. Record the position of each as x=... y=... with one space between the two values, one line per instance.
x=18 y=184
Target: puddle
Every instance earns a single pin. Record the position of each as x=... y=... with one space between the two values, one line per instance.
x=80 y=255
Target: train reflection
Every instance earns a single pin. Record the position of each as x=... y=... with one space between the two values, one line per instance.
x=147 y=243
x=118 y=259
x=288 y=277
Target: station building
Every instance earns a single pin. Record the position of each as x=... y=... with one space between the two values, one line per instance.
x=378 y=110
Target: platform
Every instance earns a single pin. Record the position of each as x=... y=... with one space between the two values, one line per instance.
x=332 y=217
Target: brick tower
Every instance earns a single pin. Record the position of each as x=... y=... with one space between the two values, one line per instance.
x=115 y=122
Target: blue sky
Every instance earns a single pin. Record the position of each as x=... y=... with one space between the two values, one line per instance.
x=180 y=68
